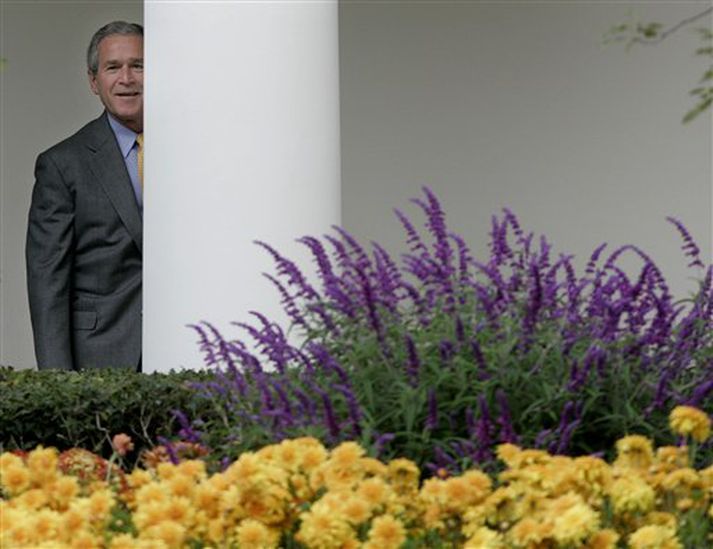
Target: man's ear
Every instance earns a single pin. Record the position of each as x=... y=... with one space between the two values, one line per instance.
x=93 y=82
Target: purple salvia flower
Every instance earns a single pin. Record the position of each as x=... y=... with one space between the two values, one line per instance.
x=464 y=260
x=288 y=302
x=170 y=450
x=483 y=432
x=329 y=417
x=385 y=280
x=205 y=345
x=381 y=441
x=328 y=362
x=362 y=259
x=324 y=265
x=290 y=271
x=413 y=364
x=446 y=350
x=689 y=245
x=594 y=259
x=507 y=431
x=479 y=359
x=414 y=241
x=187 y=432
x=459 y=330
x=432 y=419
x=701 y=393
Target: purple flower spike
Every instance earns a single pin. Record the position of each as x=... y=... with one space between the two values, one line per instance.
x=432 y=419
x=413 y=364
x=689 y=247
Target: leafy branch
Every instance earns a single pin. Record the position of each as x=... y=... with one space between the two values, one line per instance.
x=633 y=32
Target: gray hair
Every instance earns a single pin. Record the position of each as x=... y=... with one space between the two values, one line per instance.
x=115 y=27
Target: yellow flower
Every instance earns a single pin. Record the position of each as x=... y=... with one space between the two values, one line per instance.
x=654 y=537
x=658 y=518
x=32 y=499
x=15 y=478
x=634 y=451
x=169 y=532
x=64 y=490
x=123 y=541
x=46 y=524
x=631 y=494
x=356 y=510
x=529 y=532
x=485 y=538
x=100 y=504
x=321 y=529
x=387 y=532
x=374 y=491
x=575 y=524
x=252 y=534
x=604 y=539
x=689 y=421
x=42 y=463
x=193 y=468
x=346 y=455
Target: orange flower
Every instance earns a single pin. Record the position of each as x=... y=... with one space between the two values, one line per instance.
x=122 y=444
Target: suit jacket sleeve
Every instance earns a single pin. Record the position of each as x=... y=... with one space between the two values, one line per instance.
x=49 y=254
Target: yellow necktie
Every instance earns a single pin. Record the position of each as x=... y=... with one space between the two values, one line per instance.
x=140 y=143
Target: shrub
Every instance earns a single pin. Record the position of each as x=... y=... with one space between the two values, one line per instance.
x=85 y=409
x=444 y=356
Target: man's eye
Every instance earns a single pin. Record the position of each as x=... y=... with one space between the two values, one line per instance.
x=139 y=66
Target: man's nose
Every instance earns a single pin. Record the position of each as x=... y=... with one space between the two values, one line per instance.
x=126 y=75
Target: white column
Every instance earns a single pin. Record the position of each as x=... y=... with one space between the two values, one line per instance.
x=242 y=143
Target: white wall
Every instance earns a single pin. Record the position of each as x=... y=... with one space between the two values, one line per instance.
x=44 y=97
x=518 y=104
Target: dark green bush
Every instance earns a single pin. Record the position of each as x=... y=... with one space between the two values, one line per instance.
x=85 y=409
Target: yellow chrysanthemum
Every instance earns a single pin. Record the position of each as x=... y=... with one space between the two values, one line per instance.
x=321 y=529
x=42 y=463
x=631 y=494
x=356 y=510
x=604 y=539
x=346 y=455
x=387 y=532
x=15 y=478
x=529 y=532
x=374 y=491
x=575 y=524
x=123 y=541
x=654 y=537
x=169 y=532
x=634 y=451
x=251 y=534
x=485 y=538
x=690 y=421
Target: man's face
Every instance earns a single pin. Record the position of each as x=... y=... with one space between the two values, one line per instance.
x=119 y=81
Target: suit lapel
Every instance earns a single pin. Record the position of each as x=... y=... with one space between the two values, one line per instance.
x=109 y=168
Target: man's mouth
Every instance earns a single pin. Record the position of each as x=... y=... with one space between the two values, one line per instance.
x=127 y=94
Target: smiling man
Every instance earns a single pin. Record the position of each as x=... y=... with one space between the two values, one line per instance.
x=84 y=236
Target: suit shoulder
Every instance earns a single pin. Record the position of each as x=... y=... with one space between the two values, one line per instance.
x=85 y=136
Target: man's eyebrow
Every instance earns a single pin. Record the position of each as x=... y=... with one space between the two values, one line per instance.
x=117 y=62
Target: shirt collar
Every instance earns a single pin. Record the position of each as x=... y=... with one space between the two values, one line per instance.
x=124 y=136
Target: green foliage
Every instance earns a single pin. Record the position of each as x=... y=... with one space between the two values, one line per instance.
x=633 y=32
x=85 y=409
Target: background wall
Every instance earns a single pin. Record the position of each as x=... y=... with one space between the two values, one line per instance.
x=517 y=104
x=491 y=104
x=44 y=97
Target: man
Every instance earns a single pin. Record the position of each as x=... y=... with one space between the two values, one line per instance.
x=84 y=237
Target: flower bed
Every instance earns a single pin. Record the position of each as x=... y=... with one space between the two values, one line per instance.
x=299 y=494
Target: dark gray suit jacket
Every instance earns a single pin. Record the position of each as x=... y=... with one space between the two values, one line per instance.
x=84 y=255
